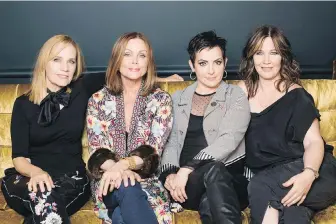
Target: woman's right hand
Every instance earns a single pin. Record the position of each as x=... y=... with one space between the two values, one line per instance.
x=40 y=178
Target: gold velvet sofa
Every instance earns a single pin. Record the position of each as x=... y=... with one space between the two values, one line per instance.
x=323 y=92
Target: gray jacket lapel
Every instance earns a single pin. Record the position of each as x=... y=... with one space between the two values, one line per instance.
x=184 y=109
x=218 y=100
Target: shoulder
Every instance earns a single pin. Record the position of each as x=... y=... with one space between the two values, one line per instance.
x=160 y=95
x=23 y=101
x=302 y=96
x=22 y=105
x=237 y=91
x=299 y=92
x=99 y=95
x=242 y=85
x=294 y=86
x=177 y=95
x=238 y=98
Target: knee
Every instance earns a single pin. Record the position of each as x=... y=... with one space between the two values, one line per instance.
x=216 y=172
x=130 y=190
x=39 y=194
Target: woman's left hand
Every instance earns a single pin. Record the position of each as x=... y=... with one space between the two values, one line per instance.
x=108 y=181
x=128 y=175
x=180 y=181
x=301 y=185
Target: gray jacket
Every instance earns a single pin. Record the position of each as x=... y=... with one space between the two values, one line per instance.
x=225 y=122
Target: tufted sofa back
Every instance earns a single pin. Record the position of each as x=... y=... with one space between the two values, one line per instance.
x=323 y=91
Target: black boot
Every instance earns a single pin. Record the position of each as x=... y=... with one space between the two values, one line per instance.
x=204 y=210
x=221 y=195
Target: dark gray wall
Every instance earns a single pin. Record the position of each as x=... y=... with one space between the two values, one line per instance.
x=25 y=26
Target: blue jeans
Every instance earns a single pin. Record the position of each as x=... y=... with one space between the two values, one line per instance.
x=129 y=205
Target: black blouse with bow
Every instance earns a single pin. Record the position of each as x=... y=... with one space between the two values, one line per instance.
x=50 y=134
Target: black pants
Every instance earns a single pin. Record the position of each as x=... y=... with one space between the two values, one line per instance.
x=266 y=188
x=218 y=194
x=71 y=192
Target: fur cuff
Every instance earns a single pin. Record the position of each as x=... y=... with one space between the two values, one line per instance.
x=97 y=159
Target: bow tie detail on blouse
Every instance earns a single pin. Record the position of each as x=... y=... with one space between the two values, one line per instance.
x=50 y=106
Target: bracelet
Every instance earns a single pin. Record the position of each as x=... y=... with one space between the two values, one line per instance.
x=131 y=162
x=316 y=174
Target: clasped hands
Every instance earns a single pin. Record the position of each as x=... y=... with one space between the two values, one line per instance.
x=113 y=177
x=301 y=184
x=176 y=183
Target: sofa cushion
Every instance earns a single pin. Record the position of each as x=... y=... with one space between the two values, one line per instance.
x=321 y=90
x=326 y=216
x=85 y=215
x=192 y=217
x=5 y=159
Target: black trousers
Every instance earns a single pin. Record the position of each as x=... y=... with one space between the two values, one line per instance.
x=71 y=192
x=218 y=194
x=265 y=189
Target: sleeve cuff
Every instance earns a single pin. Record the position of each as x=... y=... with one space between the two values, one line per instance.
x=248 y=173
x=203 y=156
x=167 y=169
x=97 y=159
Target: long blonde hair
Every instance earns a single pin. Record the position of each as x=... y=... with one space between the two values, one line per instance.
x=113 y=77
x=39 y=84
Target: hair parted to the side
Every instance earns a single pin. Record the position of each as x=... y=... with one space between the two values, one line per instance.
x=38 y=87
x=208 y=39
x=290 y=69
x=113 y=77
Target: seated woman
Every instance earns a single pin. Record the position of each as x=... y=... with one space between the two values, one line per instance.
x=203 y=162
x=128 y=112
x=294 y=169
x=46 y=128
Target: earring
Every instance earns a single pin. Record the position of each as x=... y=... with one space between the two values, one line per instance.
x=225 y=72
x=191 y=76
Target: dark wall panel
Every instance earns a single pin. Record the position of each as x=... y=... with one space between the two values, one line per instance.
x=25 y=26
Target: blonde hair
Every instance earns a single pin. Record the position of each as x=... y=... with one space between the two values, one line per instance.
x=39 y=84
x=113 y=77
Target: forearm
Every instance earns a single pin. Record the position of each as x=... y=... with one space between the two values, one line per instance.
x=185 y=171
x=313 y=155
x=128 y=163
x=160 y=79
x=24 y=167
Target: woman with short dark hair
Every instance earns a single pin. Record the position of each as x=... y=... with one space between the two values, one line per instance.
x=203 y=161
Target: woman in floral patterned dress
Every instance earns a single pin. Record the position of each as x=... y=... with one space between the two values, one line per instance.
x=128 y=112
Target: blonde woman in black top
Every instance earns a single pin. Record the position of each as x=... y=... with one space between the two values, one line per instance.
x=48 y=182
x=294 y=170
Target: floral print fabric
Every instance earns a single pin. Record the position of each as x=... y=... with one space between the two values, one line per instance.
x=151 y=124
x=45 y=208
x=49 y=207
